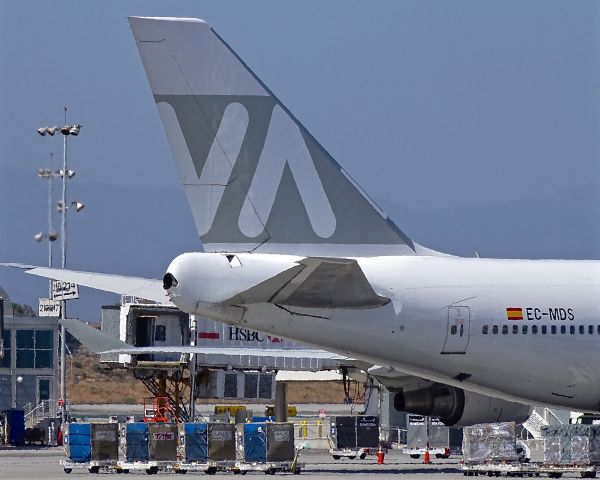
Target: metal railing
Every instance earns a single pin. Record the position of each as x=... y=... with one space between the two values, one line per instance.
x=36 y=413
x=536 y=421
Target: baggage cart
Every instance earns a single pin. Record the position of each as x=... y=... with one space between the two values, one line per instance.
x=267 y=447
x=423 y=432
x=92 y=446
x=353 y=436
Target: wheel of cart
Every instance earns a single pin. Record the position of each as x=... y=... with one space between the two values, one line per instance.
x=94 y=469
x=152 y=470
x=68 y=470
x=211 y=470
x=336 y=457
x=555 y=474
x=588 y=474
x=414 y=455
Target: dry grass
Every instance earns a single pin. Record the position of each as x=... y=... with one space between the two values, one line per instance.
x=87 y=383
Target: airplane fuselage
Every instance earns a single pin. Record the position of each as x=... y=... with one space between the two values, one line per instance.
x=519 y=329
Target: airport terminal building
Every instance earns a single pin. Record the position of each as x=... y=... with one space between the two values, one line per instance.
x=29 y=367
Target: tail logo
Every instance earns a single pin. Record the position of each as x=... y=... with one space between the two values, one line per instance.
x=284 y=145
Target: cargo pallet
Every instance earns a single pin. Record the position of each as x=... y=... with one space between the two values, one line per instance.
x=527 y=470
x=269 y=468
x=350 y=453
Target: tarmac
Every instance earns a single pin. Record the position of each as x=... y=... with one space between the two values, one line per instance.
x=318 y=464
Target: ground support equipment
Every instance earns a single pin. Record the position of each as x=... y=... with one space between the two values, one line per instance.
x=269 y=468
x=350 y=453
x=437 y=452
x=93 y=466
x=528 y=470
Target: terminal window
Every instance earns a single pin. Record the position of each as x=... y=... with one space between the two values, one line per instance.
x=5 y=361
x=34 y=348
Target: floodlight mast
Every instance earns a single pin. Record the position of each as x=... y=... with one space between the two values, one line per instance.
x=66 y=174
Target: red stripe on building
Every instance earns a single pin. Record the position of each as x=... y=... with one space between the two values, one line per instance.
x=209 y=335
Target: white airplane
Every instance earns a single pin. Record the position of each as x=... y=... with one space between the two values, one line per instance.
x=293 y=247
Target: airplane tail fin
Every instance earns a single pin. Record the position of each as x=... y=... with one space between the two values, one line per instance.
x=255 y=178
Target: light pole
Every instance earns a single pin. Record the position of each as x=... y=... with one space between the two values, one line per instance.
x=65 y=173
x=51 y=235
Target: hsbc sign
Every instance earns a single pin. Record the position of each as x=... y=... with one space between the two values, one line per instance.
x=244 y=334
x=247 y=335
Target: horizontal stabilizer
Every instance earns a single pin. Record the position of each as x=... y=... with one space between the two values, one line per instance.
x=316 y=283
x=260 y=352
x=91 y=338
x=149 y=289
x=99 y=342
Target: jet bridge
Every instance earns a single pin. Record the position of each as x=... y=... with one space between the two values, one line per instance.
x=237 y=363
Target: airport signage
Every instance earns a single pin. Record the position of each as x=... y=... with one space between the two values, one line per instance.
x=64 y=290
x=48 y=308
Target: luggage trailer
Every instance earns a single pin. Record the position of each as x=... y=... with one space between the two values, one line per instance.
x=354 y=436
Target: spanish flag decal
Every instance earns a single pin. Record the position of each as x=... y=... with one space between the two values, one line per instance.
x=513 y=313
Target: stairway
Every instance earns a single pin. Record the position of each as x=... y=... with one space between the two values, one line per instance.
x=177 y=409
x=540 y=416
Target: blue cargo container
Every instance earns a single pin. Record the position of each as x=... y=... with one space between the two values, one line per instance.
x=16 y=426
x=255 y=442
x=78 y=440
x=195 y=442
x=136 y=442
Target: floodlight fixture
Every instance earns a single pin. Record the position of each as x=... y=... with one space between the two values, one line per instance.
x=42 y=131
x=70 y=173
x=38 y=237
x=52 y=236
x=52 y=131
x=74 y=130
x=78 y=206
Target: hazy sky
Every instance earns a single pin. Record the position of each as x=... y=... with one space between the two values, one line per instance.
x=427 y=104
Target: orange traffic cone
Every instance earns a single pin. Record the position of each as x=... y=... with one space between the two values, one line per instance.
x=380 y=456
x=427 y=461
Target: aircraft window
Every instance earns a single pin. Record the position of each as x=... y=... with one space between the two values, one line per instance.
x=544 y=329
x=453 y=330
x=495 y=329
x=534 y=329
x=572 y=329
x=553 y=329
x=524 y=330
x=582 y=329
x=484 y=330
x=515 y=329
x=504 y=329
x=563 y=329
x=590 y=329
